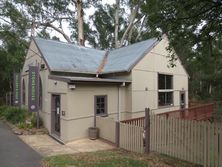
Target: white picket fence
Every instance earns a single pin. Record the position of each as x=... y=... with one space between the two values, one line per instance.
x=199 y=142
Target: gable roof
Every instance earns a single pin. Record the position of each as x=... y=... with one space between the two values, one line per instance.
x=65 y=57
x=123 y=59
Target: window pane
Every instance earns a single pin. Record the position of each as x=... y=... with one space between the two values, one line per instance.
x=102 y=99
x=165 y=98
x=161 y=81
x=169 y=82
x=98 y=99
x=161 y=98
x=102 y=111
x=169 y=98
x=98 y=106
x=102 y=105
x=98 y=111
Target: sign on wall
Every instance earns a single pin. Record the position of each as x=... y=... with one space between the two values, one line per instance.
x=33 y=92
x=17 y=89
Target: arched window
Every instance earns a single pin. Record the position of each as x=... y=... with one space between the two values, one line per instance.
x=40 y=92
x=23 y=92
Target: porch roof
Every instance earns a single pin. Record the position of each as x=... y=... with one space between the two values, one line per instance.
x=71 y=79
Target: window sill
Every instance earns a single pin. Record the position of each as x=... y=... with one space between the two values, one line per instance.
x=166 y=106
x=102 y=115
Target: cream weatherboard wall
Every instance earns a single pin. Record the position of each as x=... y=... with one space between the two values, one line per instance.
x=80 y=107
x=34 y=57
x=145 y=80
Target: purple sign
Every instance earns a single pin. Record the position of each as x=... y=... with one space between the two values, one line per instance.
x=33 y=93
x=17 y=89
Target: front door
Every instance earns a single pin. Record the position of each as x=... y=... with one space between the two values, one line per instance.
x=55 y=115
x=182 y=100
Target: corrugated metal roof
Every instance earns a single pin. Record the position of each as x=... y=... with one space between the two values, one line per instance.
x=66 y=57
x=123 y=59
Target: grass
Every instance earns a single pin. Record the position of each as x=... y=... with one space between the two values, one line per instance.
x=113 y=158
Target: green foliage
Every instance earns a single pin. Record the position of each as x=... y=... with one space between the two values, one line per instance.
x=13 y=114
x=34 y=120
x=194 y=30
x=21 y=125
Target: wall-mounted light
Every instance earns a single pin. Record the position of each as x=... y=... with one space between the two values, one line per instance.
x=123 y=84
x=72 y=86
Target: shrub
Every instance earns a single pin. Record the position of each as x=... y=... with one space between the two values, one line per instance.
x=2 y=110
x=34 y=120
x=21 y=125
x=13 y=114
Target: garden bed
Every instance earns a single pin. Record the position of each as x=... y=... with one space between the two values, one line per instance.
x=21 y=121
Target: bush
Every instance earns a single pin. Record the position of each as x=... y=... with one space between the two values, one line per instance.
x=2 y=110
x=21 y=125
x=34 y=120
x=13 y=114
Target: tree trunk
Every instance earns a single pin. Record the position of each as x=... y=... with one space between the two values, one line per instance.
x=141 y=28
x=117 y=23
x=130 y=25
x=80 y=13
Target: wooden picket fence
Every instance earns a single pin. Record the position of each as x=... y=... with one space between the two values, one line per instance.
x=199 y=142
x=199 y=112
x=135 y=121
x=131 y=138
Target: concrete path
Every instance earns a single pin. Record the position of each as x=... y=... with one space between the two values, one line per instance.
x=47 y=146
x=15 y=153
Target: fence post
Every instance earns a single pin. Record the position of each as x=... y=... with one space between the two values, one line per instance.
x=147 y=130
x=117 y=133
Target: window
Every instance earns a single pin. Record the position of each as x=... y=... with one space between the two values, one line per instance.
x=101 y=105
x=165 y=90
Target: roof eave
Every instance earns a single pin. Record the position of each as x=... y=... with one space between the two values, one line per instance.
x=75 y=72
x=87 y=80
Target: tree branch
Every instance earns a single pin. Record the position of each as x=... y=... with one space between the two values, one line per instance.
x=48 y=24
x=141 y=27
x=131 y=23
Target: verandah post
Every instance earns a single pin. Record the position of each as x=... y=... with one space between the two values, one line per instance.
x=147 y=130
